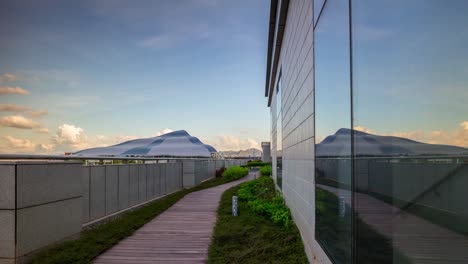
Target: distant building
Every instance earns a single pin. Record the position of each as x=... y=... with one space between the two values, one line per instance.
x=266 y=155
x=173 y=144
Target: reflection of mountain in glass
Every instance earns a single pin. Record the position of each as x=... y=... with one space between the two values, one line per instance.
x=366 y=144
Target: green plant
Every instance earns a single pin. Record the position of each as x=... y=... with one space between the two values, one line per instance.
x=235 y=172
x=262 y=197
x=252 y=238
x=265 y=171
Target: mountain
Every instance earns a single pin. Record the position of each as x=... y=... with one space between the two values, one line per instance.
x=252 y=152
x=373 y=145
x=174 y=144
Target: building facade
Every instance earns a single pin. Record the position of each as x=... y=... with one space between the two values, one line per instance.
x=266 y=152
x=369 y=127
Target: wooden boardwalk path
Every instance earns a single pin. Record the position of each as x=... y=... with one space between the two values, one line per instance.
x=417 y=238
x=181 y=234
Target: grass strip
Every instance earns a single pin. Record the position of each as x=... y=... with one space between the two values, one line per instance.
x=252 y=238
x=256 y=164
x=93 y=242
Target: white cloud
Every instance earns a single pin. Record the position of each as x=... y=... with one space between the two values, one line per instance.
x=16 y=145
x=39 y=113
x=162 y=132
x=45 y=148
x=43 y=130
x=19 y=108
x=464 y=125
x=13 y=90
x=8 y=77
x=70 y=137
x=12 y=108
x=364 y=129
x=455 y=137
x=229 y=142
x=162 y=41
x=19 y=121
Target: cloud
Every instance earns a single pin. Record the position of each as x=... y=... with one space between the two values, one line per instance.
x=45 y=148
x=13 y=90
x=455 y=137
x=364 y=129
x=104 y=141
x=15 y=145
x=229 y=142
x=43 y=130
x=19 y=109
x=162 y=132
x=39 y=113
x=12 y=108
x=70 y=137
x=19 y=121
x=464 y=125
x=162 y=41
x=8 y=77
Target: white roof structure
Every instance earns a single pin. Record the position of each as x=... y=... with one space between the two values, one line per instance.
x=174 y=144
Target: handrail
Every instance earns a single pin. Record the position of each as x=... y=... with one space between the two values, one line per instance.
x=432 y=187
x=73 y=157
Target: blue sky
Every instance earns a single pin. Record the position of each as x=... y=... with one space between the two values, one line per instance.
x=410 y=72
x=99 y=72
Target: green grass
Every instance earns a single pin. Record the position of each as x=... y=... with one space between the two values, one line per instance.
x=251 y=237
x=235 y=172
x=95 y=241
x=334 y=234
x=261 y=196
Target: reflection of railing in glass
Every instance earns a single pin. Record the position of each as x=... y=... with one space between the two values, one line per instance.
x=410 y=200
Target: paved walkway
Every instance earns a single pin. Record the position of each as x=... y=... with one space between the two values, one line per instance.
x=181 y=234
x=417 y=238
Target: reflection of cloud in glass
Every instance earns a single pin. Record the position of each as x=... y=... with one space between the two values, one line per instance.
x=455 y=137
x=409 y=66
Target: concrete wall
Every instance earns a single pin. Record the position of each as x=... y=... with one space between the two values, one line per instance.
x=296 y=67
x=112 y=188
x=45 y=202
x=39 y=204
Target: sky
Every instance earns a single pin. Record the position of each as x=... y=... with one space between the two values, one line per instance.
x=409 y=70
x=80 y=74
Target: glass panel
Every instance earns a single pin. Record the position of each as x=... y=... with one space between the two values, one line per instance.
x=317 y=8
x=410 y=88
x=332 y=132
x=279 y=135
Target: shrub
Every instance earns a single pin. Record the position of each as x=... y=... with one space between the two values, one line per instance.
x=235 y=172
x=265 y=171
x=262 y=197
x=220 y=171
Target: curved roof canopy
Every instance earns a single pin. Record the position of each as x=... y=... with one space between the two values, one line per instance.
x=174 y=144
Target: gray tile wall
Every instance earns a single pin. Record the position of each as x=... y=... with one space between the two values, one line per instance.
x=40 y=203
x=296 y=64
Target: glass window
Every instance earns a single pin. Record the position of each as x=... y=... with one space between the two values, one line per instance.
x=318 y=4
x=333 y=228
x=279 y=134
x=410 y=100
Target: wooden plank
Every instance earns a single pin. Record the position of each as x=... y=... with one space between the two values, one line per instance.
x=181 y=234
x=420 y=240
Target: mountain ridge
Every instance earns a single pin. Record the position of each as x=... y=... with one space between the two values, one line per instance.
x=366 y=144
